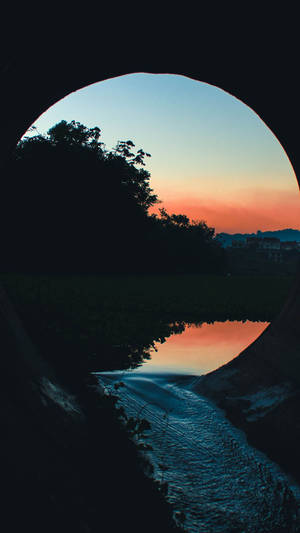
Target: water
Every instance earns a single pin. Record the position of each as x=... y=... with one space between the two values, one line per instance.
x=214 y=477
x=203 y=347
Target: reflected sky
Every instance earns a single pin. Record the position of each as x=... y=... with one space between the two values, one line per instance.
x=201 y=349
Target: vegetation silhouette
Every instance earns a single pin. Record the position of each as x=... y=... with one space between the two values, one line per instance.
x=93 y=323
x=72 y=206
x=185 y=246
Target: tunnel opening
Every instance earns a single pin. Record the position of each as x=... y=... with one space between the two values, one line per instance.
x=282 y=327
x=193 y=156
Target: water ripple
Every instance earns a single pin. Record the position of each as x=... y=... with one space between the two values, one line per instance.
x=214 y=477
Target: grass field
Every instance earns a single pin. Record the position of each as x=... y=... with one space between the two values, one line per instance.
x=111 y=322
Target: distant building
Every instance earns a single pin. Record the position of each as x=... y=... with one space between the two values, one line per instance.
x=290 y=245
x=252 y=242
x=269 y=243
x=265 y=243
x=238 y=243
x=259 y=254
x=273 y=246
x=275 y=255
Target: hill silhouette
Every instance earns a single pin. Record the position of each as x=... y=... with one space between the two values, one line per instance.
x=285 y=235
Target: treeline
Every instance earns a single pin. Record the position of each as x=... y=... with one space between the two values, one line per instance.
x=71 y=206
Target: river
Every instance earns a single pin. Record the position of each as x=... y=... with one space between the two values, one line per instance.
x=216 y=481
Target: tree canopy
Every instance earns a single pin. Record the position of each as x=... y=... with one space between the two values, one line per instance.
x=72 y=143
x=72 y=205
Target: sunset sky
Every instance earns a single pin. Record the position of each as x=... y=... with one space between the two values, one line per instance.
x=212 y=157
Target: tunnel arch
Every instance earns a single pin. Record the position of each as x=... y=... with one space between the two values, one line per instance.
x=31 y=84
x=31 y=88
x=198 y=80
x=246 y=95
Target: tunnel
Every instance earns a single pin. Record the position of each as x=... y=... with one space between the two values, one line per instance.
x=31 y=82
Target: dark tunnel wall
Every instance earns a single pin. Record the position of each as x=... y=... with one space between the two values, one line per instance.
x=33 y=82
x=30 y=86
x=34 y=76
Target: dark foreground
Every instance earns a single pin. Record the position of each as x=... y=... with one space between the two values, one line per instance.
x=111 y=322
x=67 y=463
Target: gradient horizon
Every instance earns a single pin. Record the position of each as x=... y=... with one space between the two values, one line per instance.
x=213 y=158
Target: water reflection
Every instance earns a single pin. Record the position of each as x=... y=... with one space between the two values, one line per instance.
x=203 y=347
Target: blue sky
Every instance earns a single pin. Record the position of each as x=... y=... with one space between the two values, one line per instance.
x=212 y=156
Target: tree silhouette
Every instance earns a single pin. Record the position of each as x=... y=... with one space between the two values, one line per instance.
x=73 y=206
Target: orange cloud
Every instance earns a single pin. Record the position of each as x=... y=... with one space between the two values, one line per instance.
x=248 y=211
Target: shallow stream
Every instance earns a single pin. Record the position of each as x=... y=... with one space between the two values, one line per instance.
x=216 y=481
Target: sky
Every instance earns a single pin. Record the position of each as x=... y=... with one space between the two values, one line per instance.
x=212 y=157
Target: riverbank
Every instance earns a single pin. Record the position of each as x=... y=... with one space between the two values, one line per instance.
x=67 y=462
x=268 y=415
x=260 y=389
x=84 y=323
